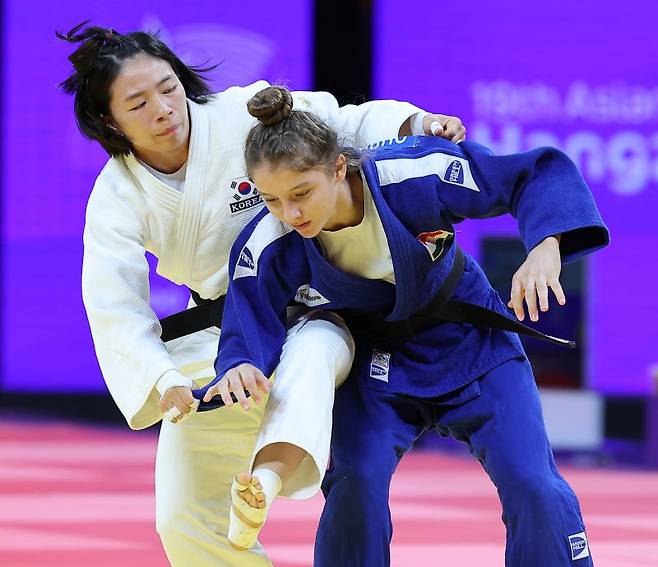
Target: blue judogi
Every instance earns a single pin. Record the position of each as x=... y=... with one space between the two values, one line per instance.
x=468 y=382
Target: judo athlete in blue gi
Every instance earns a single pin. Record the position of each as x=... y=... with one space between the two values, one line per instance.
x=370 y=235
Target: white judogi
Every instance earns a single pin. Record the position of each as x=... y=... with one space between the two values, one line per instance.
x=131 y=211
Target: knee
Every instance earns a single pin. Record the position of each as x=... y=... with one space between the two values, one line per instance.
x=322 y=338
x=321 y=346
x=532 y=488
x=358 y=483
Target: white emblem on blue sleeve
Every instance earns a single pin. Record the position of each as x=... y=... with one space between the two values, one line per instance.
x=309 y=296
x=451 y=169
x=267 y=231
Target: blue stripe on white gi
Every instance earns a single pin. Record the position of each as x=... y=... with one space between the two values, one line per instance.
x=449 y=168
x=267 y=231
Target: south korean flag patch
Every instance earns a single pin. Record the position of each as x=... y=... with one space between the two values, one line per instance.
x=436 y=242
x=245 y=195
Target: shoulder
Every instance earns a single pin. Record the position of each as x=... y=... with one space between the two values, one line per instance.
x=237 y=94
x=408 y=158
x=113 y=183
x=229 y=110
x=114 y=192
x=261 y=235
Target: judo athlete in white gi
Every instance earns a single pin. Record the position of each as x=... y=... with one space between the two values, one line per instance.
x=176 y=186
x=371 y=235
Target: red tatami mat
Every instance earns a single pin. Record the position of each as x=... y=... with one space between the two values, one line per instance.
x=77 y=496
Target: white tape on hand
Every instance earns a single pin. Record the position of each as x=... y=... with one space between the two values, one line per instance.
x=436 y=128
x=173 y=414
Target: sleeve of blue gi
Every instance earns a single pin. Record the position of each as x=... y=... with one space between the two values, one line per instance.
x=541 y=188
x=253 y=325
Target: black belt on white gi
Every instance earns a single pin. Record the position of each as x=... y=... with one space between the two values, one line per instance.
x=206 y=313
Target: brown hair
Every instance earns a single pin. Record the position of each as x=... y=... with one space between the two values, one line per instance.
x=292 y=137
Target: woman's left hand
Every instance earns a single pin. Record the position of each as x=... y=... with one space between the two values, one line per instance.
x=240 y=380
x=531 y=281
x=444 y=126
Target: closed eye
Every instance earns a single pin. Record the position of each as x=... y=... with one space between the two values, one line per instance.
x=140 y=105
x=303 y=194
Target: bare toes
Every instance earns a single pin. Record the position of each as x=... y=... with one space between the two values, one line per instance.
x=244 y=478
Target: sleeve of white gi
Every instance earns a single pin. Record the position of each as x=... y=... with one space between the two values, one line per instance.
x=115 y=291
x=357 y=125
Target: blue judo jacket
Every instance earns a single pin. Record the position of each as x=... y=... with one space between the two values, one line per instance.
x=421 y=187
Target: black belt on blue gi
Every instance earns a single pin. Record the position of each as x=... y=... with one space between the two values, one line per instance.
x=208 y=313
x=441 y=309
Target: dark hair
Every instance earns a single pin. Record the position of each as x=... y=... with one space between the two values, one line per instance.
x=97 y=63
x=294 y=137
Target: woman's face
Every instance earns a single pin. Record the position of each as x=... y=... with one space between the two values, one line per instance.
x=306 y=200
x=148 y=106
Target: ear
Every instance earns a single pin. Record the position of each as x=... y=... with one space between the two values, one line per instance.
x=111 y=125
x=341 y=168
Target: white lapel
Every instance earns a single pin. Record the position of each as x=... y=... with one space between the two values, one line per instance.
x=179 y=264
x=150 y=184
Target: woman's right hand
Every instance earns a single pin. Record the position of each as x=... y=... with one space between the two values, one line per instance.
x=239 y=380
x=179 y=397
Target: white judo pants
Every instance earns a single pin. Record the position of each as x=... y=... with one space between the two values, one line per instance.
x=198 y=457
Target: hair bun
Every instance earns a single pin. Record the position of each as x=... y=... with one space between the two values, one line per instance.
x=271 y=105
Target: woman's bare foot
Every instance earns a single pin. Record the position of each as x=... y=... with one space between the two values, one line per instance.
x=248 y=511
x=250 y=490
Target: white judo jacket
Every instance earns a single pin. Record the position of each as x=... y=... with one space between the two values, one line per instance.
x=130 y=212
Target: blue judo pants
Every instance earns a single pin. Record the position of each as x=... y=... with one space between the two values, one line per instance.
x=499 y=417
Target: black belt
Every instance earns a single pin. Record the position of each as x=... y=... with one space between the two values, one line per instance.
x=440 y=309
x=207 y=313
x=374 y=328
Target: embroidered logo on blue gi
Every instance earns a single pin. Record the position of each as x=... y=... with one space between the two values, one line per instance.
x=246 y=259
x=246 y=265
x=436 y=242
x=379 y=365
x=579 y=547
x=309 y=296
x=245 y=197
x=395 y=143
x=454 y=173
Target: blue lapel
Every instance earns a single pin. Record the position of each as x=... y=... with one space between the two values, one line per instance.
x=400 y=242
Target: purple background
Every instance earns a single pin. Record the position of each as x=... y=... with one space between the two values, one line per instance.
x=49 y=169
x=578 y=75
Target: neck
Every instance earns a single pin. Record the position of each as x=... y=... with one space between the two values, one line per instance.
x=349 y=203
x=165 y=163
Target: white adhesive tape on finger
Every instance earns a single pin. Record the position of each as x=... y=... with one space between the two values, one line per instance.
x=436 y=128
x=172 y=414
